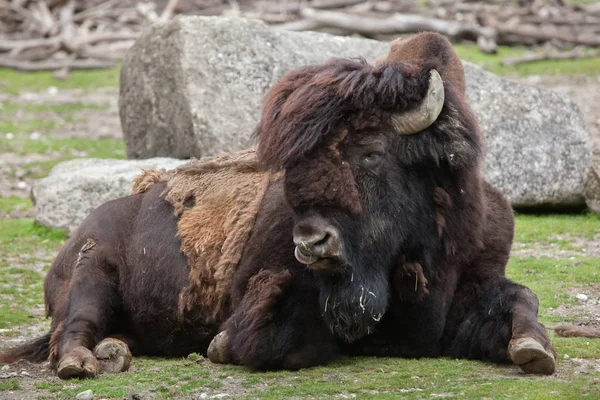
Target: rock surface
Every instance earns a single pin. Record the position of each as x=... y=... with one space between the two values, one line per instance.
x=537 y=147
x=194 y=87
x=74 y=188
x=592 y=184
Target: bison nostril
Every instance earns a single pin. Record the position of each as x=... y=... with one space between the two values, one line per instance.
x=314 y=244
x=321 y=244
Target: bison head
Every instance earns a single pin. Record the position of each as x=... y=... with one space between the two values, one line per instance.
x=362 y=147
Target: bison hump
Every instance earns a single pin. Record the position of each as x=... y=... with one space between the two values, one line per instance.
x=217 y=201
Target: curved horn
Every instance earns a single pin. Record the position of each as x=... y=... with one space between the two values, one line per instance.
x=425 y=114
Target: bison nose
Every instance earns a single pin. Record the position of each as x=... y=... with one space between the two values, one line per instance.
x=314 y=240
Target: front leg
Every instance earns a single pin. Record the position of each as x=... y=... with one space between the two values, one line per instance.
x=276 y=325
x=496 y=320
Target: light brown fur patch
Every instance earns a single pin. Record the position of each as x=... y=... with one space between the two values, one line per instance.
x=216 y=200
x=146 y=179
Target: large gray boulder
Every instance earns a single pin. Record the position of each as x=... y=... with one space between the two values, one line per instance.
x=537 y=146
x=74 y=188
x=194 y=87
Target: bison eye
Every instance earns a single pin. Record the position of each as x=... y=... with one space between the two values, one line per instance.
x=372 y=159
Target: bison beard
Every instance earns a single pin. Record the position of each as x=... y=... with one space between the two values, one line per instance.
x=353 y=305
x=373 y=172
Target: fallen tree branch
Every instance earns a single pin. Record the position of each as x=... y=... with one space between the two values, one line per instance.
x=168 y=11
x=571 y=55
x=299 y=25
x=296 y=7
x=53 y=65
x=396 y=23
x=8 y=45
x=538 y=34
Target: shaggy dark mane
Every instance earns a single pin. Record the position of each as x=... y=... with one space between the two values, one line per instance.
x=308 y=104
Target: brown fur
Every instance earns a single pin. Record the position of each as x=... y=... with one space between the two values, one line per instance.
x=146 y=179
x=216 y=200
x=263 y=292
x=428 y=46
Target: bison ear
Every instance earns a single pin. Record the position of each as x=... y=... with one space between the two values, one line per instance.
x=425 y=114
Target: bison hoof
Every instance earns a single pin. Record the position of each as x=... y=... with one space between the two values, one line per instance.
x=78 y=363
x=531 y=356
x=217 y=350
x=113 y=355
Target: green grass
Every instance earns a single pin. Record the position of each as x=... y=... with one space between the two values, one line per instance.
x=537 y=228
x=63 y=149
x=491 y=62
x=23 y=244
x=14 y=82
x=42 y=118
x=582 y=2
x=550 y=278
x=9 y=384
x=13 y=203
x=365 y=377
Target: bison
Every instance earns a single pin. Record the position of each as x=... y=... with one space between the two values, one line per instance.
x=361 y=225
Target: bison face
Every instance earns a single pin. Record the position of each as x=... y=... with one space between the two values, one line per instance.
x=345 y=199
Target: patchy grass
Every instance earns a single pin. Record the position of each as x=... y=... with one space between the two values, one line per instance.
x=13 y=82
x=26 y=251
x=365 y=377
x=9 y=384
x=538 y=228
x=14 y=203
x=549 y=278
x=491 y=62
x=64 y=148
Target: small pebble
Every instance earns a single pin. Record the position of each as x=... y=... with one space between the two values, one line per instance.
x=581 y=297
x=5 y=368
x=52 y=90
x=35 y=135
x=566 y=357
x=22 y=185
x=25 y=373
x=9 y=136
x=87 y=395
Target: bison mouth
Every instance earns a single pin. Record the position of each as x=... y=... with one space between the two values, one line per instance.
x=305 y=257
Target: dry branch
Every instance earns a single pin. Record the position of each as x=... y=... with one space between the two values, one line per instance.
x=396 y=23
x=168 y=11
x=571 y=55
x=540 y=35
x=53 y=65
x=298 y=6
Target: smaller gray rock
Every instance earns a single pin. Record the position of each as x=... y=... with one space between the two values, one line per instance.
x=87 y=395
x=74 y=188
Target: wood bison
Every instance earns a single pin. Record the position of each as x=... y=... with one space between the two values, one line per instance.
x=361 y=225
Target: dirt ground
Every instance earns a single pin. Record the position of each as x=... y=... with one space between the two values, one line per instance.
x=104 y=123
